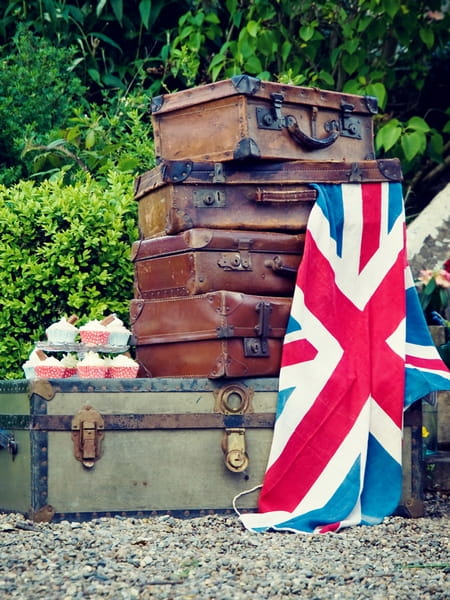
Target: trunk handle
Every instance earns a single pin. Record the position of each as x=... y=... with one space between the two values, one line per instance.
x=284 y=196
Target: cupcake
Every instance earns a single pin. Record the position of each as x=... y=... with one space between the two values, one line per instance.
x=50 y=367
x=94 y=333
x=30 y=364
x=92 y=366
x=123 y=367
x=118 y=333
x=69 y=362
x=63 y=331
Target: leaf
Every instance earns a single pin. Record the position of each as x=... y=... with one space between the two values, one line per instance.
x=105 y=38
x=253 y=65
x=427 y=36
x=117 y=6
x=350 y=62
x=412 y=144
x=418 y=124
x=253 y=28
x=379 y=91
x=145 y=9
x=391 y=7
x=90 y=139
x=388 y=135
x=100 y=6
x=306 y=32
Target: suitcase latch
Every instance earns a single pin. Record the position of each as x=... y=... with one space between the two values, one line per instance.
x=8 y=442
x=233 y=446
x=87 y=435
x=238 y=260
x=258 y=346
x=209 y=198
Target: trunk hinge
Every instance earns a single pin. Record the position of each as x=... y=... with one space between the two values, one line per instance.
x=87 y=435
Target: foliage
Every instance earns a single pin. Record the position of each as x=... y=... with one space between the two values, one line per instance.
x=112 y=37
x=63 y=249
x=390 y=49
x=114 y=135
x=37 y=93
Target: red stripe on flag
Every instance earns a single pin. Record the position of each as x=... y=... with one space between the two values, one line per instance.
x=371 y=217
x=425 y=363
x=297 y=352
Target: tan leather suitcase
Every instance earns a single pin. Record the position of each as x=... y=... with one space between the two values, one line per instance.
x=275 y=196
x=204 y=260
x=219 y=334
x=245 y=118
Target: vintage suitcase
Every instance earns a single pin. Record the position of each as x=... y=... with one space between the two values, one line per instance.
x=244 y=117
x=180 y=195
x=204 y=260
x=219 y=334
x=77 y=449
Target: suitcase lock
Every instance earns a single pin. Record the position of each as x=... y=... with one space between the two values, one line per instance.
x=233 y=446
x=234 y=399
x=87 y=435
x=258 y=347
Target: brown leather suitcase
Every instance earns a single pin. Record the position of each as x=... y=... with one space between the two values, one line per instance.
x=219 y=334
x=269 y=196
x=245 y=117
x=204 y=260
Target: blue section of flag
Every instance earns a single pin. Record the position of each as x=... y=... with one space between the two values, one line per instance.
x=335 y=510
x=395 y=204
x=417 y=331
x=382 y=484
x=329 y=200
x=293 y=325
x=283 y=397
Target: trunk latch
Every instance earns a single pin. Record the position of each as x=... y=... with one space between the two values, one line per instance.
x=87 y=435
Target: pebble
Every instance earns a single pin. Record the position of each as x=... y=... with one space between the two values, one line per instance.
x=215 y=558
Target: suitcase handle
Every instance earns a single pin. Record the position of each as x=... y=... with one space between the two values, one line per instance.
x=285 y=196
x=277 y=266
x=308 y=142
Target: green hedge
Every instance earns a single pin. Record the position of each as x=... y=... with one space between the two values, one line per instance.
x=63 y=250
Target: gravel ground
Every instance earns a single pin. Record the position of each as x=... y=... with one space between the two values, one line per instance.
x=214 y=558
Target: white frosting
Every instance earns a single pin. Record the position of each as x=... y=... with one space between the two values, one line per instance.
x=33 y=360
x=93 y=325
x=121 y=360
x=70 y=361
x=115 y=324
x=50 y=361
x=61 y=324
x=92 y=359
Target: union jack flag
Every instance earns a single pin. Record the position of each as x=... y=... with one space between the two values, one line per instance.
x=335 y=459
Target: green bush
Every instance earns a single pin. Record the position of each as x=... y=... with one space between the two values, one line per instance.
x=38 y=92
x=63 y=250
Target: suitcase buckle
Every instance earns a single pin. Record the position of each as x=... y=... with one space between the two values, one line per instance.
x=87 y=435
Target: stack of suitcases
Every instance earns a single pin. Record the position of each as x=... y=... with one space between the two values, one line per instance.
x=222 y=218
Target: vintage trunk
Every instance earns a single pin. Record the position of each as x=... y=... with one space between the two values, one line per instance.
x=219 y=334
x=276 y=196
x=244 y=117
x=78 y=449
x=204 y=260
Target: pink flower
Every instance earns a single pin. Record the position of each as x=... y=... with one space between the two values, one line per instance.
x=425 y=276
x=443 y=279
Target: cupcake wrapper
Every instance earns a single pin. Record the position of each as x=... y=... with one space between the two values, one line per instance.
x=54 y=372
x=70 y=372
x=118 y=339
x=92 y=372
x=124 y=372
x=95 y=338
x=61 y=336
